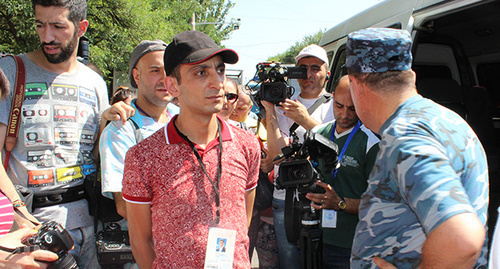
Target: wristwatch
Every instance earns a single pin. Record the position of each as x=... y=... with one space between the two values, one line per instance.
x=342 y=203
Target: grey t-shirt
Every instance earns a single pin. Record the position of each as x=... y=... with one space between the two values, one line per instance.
x=59 y=126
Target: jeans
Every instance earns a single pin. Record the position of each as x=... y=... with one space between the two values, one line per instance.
x=84 y=252
x=289 y=253
x=336 y=257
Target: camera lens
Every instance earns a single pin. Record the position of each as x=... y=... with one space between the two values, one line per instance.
x=299 y=174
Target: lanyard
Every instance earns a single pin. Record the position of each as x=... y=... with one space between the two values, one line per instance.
x=344 y=148
x=200 y=161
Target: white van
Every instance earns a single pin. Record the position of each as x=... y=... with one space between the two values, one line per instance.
x=456 y=56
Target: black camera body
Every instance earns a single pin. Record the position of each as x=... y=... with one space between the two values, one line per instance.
x=297 y=171
x=270 y=82
x=113 y=245
x=53 y=237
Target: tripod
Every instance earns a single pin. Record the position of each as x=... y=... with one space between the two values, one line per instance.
x=302 y=226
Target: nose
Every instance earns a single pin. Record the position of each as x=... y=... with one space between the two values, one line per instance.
x=216 y=80
x=46 y=34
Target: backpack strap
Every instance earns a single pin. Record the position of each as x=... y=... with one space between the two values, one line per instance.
x=137 y=131
x=15 y=110
x=323 y=99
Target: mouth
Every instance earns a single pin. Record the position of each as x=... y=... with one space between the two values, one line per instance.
x=51 y=49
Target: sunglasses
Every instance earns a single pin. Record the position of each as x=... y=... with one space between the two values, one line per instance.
x=231 y=97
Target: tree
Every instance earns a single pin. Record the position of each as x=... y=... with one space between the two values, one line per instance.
x=288 y=57
x=117 y=26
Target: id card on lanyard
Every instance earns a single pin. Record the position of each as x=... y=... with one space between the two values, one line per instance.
x=329 y=216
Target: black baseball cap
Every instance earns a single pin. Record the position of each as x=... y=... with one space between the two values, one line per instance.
x=192 y=47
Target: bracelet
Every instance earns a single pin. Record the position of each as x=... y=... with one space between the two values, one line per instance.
x=18 y=203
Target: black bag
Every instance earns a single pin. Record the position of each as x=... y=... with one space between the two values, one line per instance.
x=103 y=208
x=263 y=192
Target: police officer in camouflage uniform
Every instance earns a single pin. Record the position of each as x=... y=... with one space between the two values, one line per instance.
x=427 y=195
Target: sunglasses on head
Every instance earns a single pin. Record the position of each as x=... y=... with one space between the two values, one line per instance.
x=231 y=97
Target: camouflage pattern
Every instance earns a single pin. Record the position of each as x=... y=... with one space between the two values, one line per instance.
x=430 y=167
x=376 y=50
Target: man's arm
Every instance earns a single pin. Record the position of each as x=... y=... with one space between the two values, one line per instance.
x=249 y=199
x=121 y=206
x=455 y=243
x=140 y=232
x=275 y=140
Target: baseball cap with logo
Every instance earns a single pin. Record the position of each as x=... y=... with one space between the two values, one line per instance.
x=376 y=50
x=192 y=47
x=313 y=51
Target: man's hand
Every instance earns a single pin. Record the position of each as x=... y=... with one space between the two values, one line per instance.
x=118 y=111
x=297 y=112
x=327 y=200
x=383 y=264
x=266 y=162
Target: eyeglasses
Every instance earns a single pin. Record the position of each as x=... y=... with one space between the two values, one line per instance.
x=231 y=97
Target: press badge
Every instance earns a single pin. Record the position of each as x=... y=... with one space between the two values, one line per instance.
x=220 y=248
x=329 y=218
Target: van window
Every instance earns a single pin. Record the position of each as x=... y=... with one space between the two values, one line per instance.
x=337 y=70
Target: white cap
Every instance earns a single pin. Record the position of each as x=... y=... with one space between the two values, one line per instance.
x=313 y=51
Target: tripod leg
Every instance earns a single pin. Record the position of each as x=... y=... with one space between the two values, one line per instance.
x=311 y=246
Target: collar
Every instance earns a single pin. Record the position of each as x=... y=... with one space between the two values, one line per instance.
x=174 y=138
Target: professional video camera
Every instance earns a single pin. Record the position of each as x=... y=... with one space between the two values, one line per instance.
x=113 y=246
x=269 y=83
x=298 y=175
x=53 y=237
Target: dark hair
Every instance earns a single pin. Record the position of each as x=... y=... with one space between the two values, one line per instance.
x=176 y=73
x=4 y=84
x=121 y=94
x=389 y=81
x=77 y=8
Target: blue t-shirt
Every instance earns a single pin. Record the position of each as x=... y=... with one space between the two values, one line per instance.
x=430 y=167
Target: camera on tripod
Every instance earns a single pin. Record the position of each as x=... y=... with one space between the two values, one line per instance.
x=298 y=176
x=53 y=237
x=270 y=82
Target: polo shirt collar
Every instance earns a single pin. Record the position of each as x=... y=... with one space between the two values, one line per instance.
x=173 y=136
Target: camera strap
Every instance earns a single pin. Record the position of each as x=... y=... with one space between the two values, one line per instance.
x=322 y=99
x=215 y=184
x=15 y=111
x=18 y=250
x=346 y=144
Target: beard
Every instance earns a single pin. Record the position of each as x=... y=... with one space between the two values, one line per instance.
x=66 y=51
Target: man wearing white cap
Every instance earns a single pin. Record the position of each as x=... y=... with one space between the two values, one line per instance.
x=280 y=124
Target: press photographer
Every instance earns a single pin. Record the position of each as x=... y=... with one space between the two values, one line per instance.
x=358 y=148
x=311 y=107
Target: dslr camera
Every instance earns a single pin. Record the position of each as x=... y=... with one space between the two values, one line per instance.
x=113 y=245
x=53 y=237
x=270 y=82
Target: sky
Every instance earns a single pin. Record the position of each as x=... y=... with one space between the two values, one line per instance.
x=270 y=27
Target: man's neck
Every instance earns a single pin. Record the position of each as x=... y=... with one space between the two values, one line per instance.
x=38 y=58
x=157 y=113
x=200 y=130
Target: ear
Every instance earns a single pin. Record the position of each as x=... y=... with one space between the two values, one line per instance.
x=172 y=86
x=135 y=75
x=82 y=27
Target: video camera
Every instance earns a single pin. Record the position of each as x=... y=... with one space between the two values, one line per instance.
x=53 y=237
x=297 y=171
x=270 y=82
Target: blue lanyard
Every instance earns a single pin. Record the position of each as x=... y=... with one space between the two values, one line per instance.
x=332 y=136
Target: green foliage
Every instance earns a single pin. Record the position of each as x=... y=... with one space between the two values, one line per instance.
x=117 y=26
x=288 y=57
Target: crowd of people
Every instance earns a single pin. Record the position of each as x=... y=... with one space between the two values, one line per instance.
x=181 y=154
